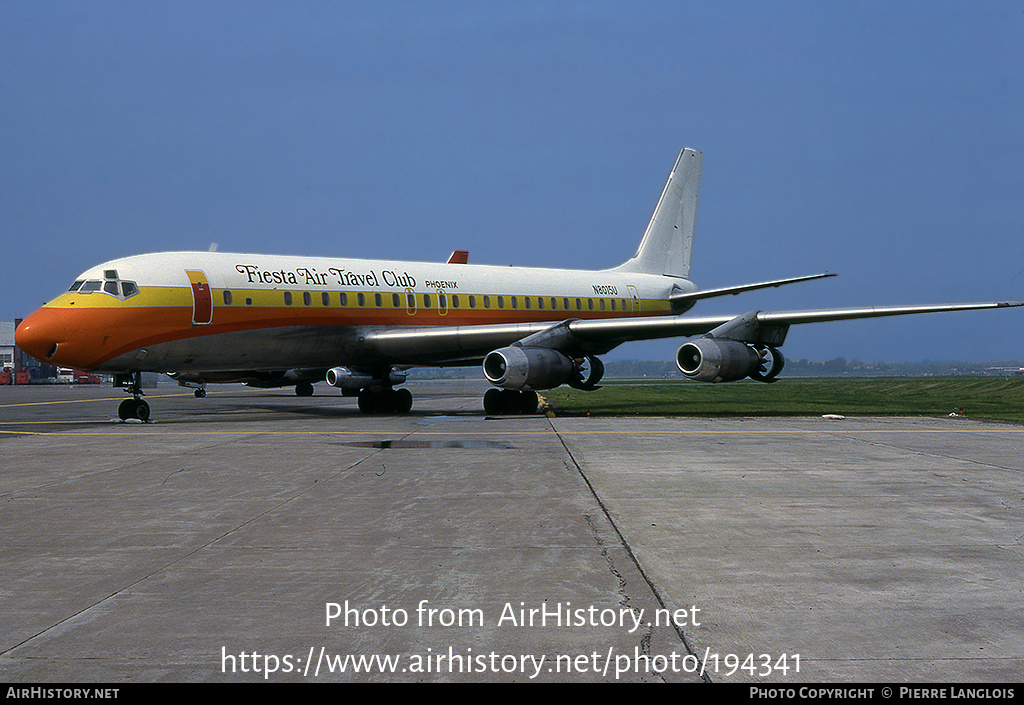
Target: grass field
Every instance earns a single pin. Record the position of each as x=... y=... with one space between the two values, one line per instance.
x=1000 y=398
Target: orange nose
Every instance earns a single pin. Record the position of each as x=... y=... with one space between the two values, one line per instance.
x=41 y=334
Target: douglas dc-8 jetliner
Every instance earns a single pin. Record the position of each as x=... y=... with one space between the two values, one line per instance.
x=271 y=321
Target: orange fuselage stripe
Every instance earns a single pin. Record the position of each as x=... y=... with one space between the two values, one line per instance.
x=103 y=327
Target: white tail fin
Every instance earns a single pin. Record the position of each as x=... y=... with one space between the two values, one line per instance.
x=667 y=244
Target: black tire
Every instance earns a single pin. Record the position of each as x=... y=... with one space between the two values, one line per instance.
x=528 y=402
x=403 y=401
x=126 y=409
x=492 y=401
x=367 y=401
x=777 y=363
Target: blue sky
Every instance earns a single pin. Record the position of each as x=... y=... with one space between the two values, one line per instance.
x=883 y=141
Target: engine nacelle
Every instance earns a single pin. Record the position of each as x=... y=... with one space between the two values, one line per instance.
x=717 y=360
x=517 y=367
x=347 y=380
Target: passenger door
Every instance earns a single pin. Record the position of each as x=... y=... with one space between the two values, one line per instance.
x=202 y=298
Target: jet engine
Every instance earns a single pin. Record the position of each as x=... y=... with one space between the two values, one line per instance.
x=351 y=381
x=528 y=368
x=718 y=360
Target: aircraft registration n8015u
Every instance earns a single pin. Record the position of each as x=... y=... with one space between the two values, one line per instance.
x=271 y=321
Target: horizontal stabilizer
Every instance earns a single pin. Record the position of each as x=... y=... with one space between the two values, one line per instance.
x=687 y=297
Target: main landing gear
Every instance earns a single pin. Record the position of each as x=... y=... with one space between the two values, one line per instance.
x=385 y=400
x=510 y=401
x=136 y=407
x=771 y=364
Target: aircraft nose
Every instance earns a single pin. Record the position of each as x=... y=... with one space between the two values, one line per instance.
x=42 y=333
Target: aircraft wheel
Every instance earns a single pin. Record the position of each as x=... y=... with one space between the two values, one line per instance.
x=200 y=393
x=492 y=401
x=367 y=401
x=403 y=401
x=590 y=370
x=126 y=409
x=304 y=389
x=528 y=402
x=510 y=401
x=771 y=364
x=133 y=409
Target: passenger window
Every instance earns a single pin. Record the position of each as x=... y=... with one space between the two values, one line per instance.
x=307 y=299
x=287 y=298
x=325 y=298
x=472 y=301
x=487 y=302
x=501 y=302
x=455 y=300
x=515 y=302
x=344 y=299
x=227 y=295
x=396 y=302
x=360 y=299
x=426 y=301
x=377 y=300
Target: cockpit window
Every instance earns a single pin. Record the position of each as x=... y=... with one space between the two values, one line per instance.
x=114 y=287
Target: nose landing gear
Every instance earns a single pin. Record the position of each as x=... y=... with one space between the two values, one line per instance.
x=135 y=408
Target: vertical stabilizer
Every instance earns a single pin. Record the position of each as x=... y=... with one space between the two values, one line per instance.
x=668 y=241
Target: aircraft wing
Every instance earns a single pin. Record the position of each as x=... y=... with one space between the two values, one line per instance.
x=674 y=326
x=463 y=344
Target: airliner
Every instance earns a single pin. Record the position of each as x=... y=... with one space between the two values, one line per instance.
x=359 y=325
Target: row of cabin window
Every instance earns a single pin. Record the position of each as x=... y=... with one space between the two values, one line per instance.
x=410 y=301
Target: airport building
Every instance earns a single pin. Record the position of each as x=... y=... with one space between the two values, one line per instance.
x=7 y=350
